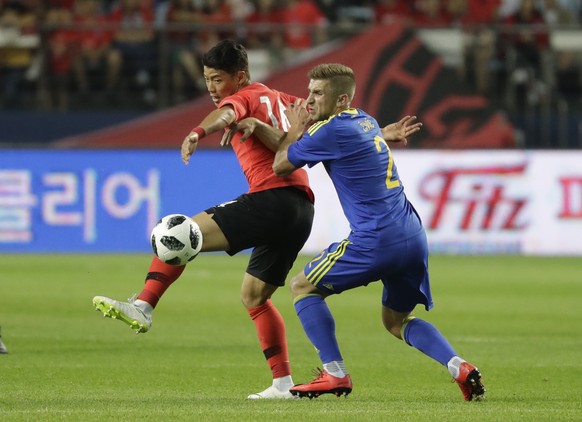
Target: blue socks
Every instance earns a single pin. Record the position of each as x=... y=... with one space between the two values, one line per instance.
x=319 y=326
x=426 y=338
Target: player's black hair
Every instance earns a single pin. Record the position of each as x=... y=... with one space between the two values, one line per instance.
x=227 y=55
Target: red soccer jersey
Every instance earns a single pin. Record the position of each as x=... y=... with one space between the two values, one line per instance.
x=256 y=160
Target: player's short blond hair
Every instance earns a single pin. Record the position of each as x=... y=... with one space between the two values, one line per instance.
x=342 y=78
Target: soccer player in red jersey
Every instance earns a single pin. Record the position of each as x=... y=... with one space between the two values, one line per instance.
x=274 y=217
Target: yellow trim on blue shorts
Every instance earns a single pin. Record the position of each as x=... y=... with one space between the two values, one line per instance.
x=321 y=269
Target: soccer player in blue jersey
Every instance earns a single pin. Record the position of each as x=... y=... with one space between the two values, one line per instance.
x=387 y=241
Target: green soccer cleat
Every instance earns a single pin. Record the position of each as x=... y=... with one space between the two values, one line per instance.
x=127 y=312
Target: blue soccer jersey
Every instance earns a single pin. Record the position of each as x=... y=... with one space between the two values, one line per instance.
x=360 y=164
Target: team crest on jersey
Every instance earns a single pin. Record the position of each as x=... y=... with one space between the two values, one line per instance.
x=367 y=125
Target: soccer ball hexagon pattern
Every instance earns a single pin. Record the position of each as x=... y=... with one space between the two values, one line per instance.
x=176 y=239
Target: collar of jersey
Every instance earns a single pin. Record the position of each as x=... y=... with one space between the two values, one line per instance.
x=347 y=111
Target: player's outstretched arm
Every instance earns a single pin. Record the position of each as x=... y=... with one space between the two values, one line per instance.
x=217 y=120
x=401 y=130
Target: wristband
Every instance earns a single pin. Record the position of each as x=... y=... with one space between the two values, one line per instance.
x=198 y=130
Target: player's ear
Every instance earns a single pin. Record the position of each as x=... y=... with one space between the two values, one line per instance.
x=343 y=100
x=242 y=78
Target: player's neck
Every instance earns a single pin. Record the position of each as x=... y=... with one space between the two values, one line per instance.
x=340 y=109
x=244 y=84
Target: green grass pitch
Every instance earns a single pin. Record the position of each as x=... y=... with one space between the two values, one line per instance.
x=518 y=319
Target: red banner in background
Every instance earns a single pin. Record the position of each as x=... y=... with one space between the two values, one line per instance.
x=396 y=75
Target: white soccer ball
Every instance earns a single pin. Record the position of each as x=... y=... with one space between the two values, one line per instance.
x=176 y=239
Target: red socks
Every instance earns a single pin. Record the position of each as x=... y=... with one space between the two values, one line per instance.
x=272 y=337
x=268 y=321
x=160 y=276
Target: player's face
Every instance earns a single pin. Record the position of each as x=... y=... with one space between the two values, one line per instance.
x=321 y=102
x=221 y=84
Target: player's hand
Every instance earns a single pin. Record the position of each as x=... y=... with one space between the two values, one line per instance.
x=189 y=146
x=298 y=117
x=246 y=126
x=401 y=130
x=228 y=135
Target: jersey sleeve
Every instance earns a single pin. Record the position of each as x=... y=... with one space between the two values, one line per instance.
x=240 y=105
x=314 y=147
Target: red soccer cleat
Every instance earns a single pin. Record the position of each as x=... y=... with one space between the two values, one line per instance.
x=469 y=381
x=324 y=383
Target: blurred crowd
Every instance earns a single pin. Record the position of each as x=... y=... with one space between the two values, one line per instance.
x=74 y=53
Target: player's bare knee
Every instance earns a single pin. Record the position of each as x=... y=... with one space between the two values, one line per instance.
x=252 y=298
x=300 y=285
x=250 y=301
x=392 y=327
x=255 y=292
x=396 y=332
x=393 y=322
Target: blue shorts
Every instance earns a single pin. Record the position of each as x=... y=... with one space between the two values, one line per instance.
x=402 y=267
